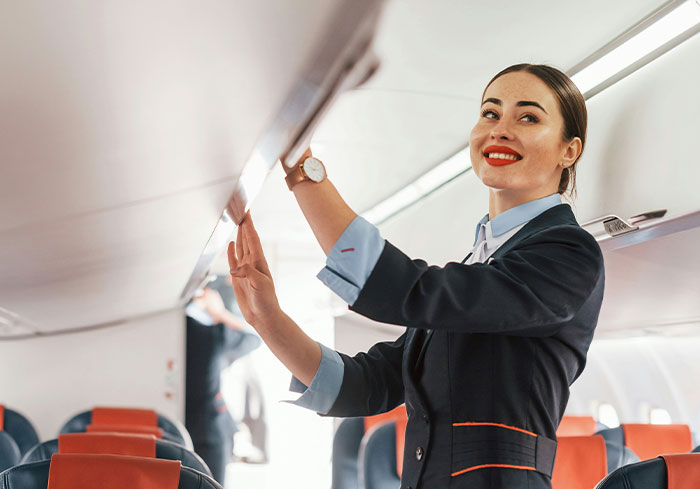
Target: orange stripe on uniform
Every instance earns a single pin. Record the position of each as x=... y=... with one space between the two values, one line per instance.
x=499 y=425
x=501 y=466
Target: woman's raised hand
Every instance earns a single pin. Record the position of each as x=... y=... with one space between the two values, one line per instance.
x=251 y=277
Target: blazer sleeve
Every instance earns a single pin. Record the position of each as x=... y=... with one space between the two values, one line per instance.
x=531 y=290
x=372 y=381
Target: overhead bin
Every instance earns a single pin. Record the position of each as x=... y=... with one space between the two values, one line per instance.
x=640 y=153
x=127 y=129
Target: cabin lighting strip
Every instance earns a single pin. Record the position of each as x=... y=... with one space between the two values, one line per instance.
x=655 y=35
x=657 y=32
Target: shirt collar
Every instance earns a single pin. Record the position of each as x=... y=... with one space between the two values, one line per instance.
x=518 y=215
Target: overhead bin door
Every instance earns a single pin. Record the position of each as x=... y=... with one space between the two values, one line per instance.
x=125 y=129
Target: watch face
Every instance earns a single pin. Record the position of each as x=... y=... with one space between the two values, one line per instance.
x=314 y=169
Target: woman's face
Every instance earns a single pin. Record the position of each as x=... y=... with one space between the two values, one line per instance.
x=517 y=144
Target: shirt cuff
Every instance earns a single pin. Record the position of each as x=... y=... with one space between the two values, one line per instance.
x=325 y=386
x=352 y=259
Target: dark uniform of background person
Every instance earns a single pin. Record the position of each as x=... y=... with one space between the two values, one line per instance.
x=215 y=339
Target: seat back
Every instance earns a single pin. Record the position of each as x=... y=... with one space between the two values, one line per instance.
x=678 y=471
x=576 y=426
x=378 y=458
x=9 y=452
x=116 y=444
x=346 y=446
x=128 y=420
x=19 y=428
x=105 y=472
x=580 y=462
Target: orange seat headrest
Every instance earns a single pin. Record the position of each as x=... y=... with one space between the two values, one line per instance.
x=134 y=445
x=110 y=415
x=125 y=428
x=651 y=440
x=112 y=472
x=580 y=463
x=576 y=426
x=683 y=470
x=379 y=419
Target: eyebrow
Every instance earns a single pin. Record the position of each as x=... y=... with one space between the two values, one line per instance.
x=522 y=103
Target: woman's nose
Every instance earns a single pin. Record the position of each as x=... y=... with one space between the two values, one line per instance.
x=502 y=130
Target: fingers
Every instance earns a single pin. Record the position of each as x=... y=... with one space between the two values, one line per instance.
x=239 y=244
x=252 y=240
x=231 y=252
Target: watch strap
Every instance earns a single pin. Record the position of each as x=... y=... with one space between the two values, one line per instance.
x=295 y=176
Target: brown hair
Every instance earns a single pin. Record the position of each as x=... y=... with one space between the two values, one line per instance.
x=571 y=104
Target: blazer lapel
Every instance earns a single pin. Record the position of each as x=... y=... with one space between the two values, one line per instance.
x=559 y=214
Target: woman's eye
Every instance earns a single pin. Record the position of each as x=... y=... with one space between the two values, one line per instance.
x=486 y=114
x=531 y=117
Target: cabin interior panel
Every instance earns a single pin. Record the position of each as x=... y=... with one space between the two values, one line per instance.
x=136 y=363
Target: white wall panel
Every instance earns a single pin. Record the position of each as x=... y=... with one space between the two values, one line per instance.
x=636 y=374
x=51 y=379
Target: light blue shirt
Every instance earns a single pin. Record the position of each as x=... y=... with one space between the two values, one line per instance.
x=351 y=261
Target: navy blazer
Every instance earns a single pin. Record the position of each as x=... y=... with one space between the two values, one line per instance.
x=487 y=358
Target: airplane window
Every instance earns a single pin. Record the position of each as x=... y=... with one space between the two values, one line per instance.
x=659 y=416
x=607 y=414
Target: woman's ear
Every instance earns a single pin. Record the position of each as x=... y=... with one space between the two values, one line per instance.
x=571 y=152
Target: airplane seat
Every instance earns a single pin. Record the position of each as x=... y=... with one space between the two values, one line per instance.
x=651 y=440
x=580 y=462
x=378 y=467
x=19 y=428
x=346 y=443
x=577 y=426
x=106 y=472
x=677 y=471
x=9 y=452
x=98 y=443
x=346 y=446
x=133 y=420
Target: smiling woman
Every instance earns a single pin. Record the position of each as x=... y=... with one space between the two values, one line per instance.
x=524 y=108
x=493 y=343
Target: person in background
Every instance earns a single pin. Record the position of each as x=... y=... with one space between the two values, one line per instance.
x=216 y=337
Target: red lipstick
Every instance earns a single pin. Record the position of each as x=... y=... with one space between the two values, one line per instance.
x=501 y=150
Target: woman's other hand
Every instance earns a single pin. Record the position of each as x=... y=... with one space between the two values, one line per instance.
x=251 y=277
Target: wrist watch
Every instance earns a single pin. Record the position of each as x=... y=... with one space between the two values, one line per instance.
x=310 y=169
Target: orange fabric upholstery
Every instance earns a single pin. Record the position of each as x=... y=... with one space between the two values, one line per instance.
x=124 y=428
x=576 y=426
x=683 y=470
x=372 y=421
x=400 y=441
x=107 y=415
x=2 y=416
x=112 y=472
x=651 y=440
x=580 y=463
x=108 y=443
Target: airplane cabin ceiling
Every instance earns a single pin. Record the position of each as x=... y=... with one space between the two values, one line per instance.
x=123 y=130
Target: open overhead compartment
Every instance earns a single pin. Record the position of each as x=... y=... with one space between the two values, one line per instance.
x=127 y=129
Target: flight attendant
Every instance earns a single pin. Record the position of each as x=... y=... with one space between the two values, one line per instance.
x=493 y=343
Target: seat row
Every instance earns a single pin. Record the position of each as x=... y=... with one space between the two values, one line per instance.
x=368 y=452
x=104 y=444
